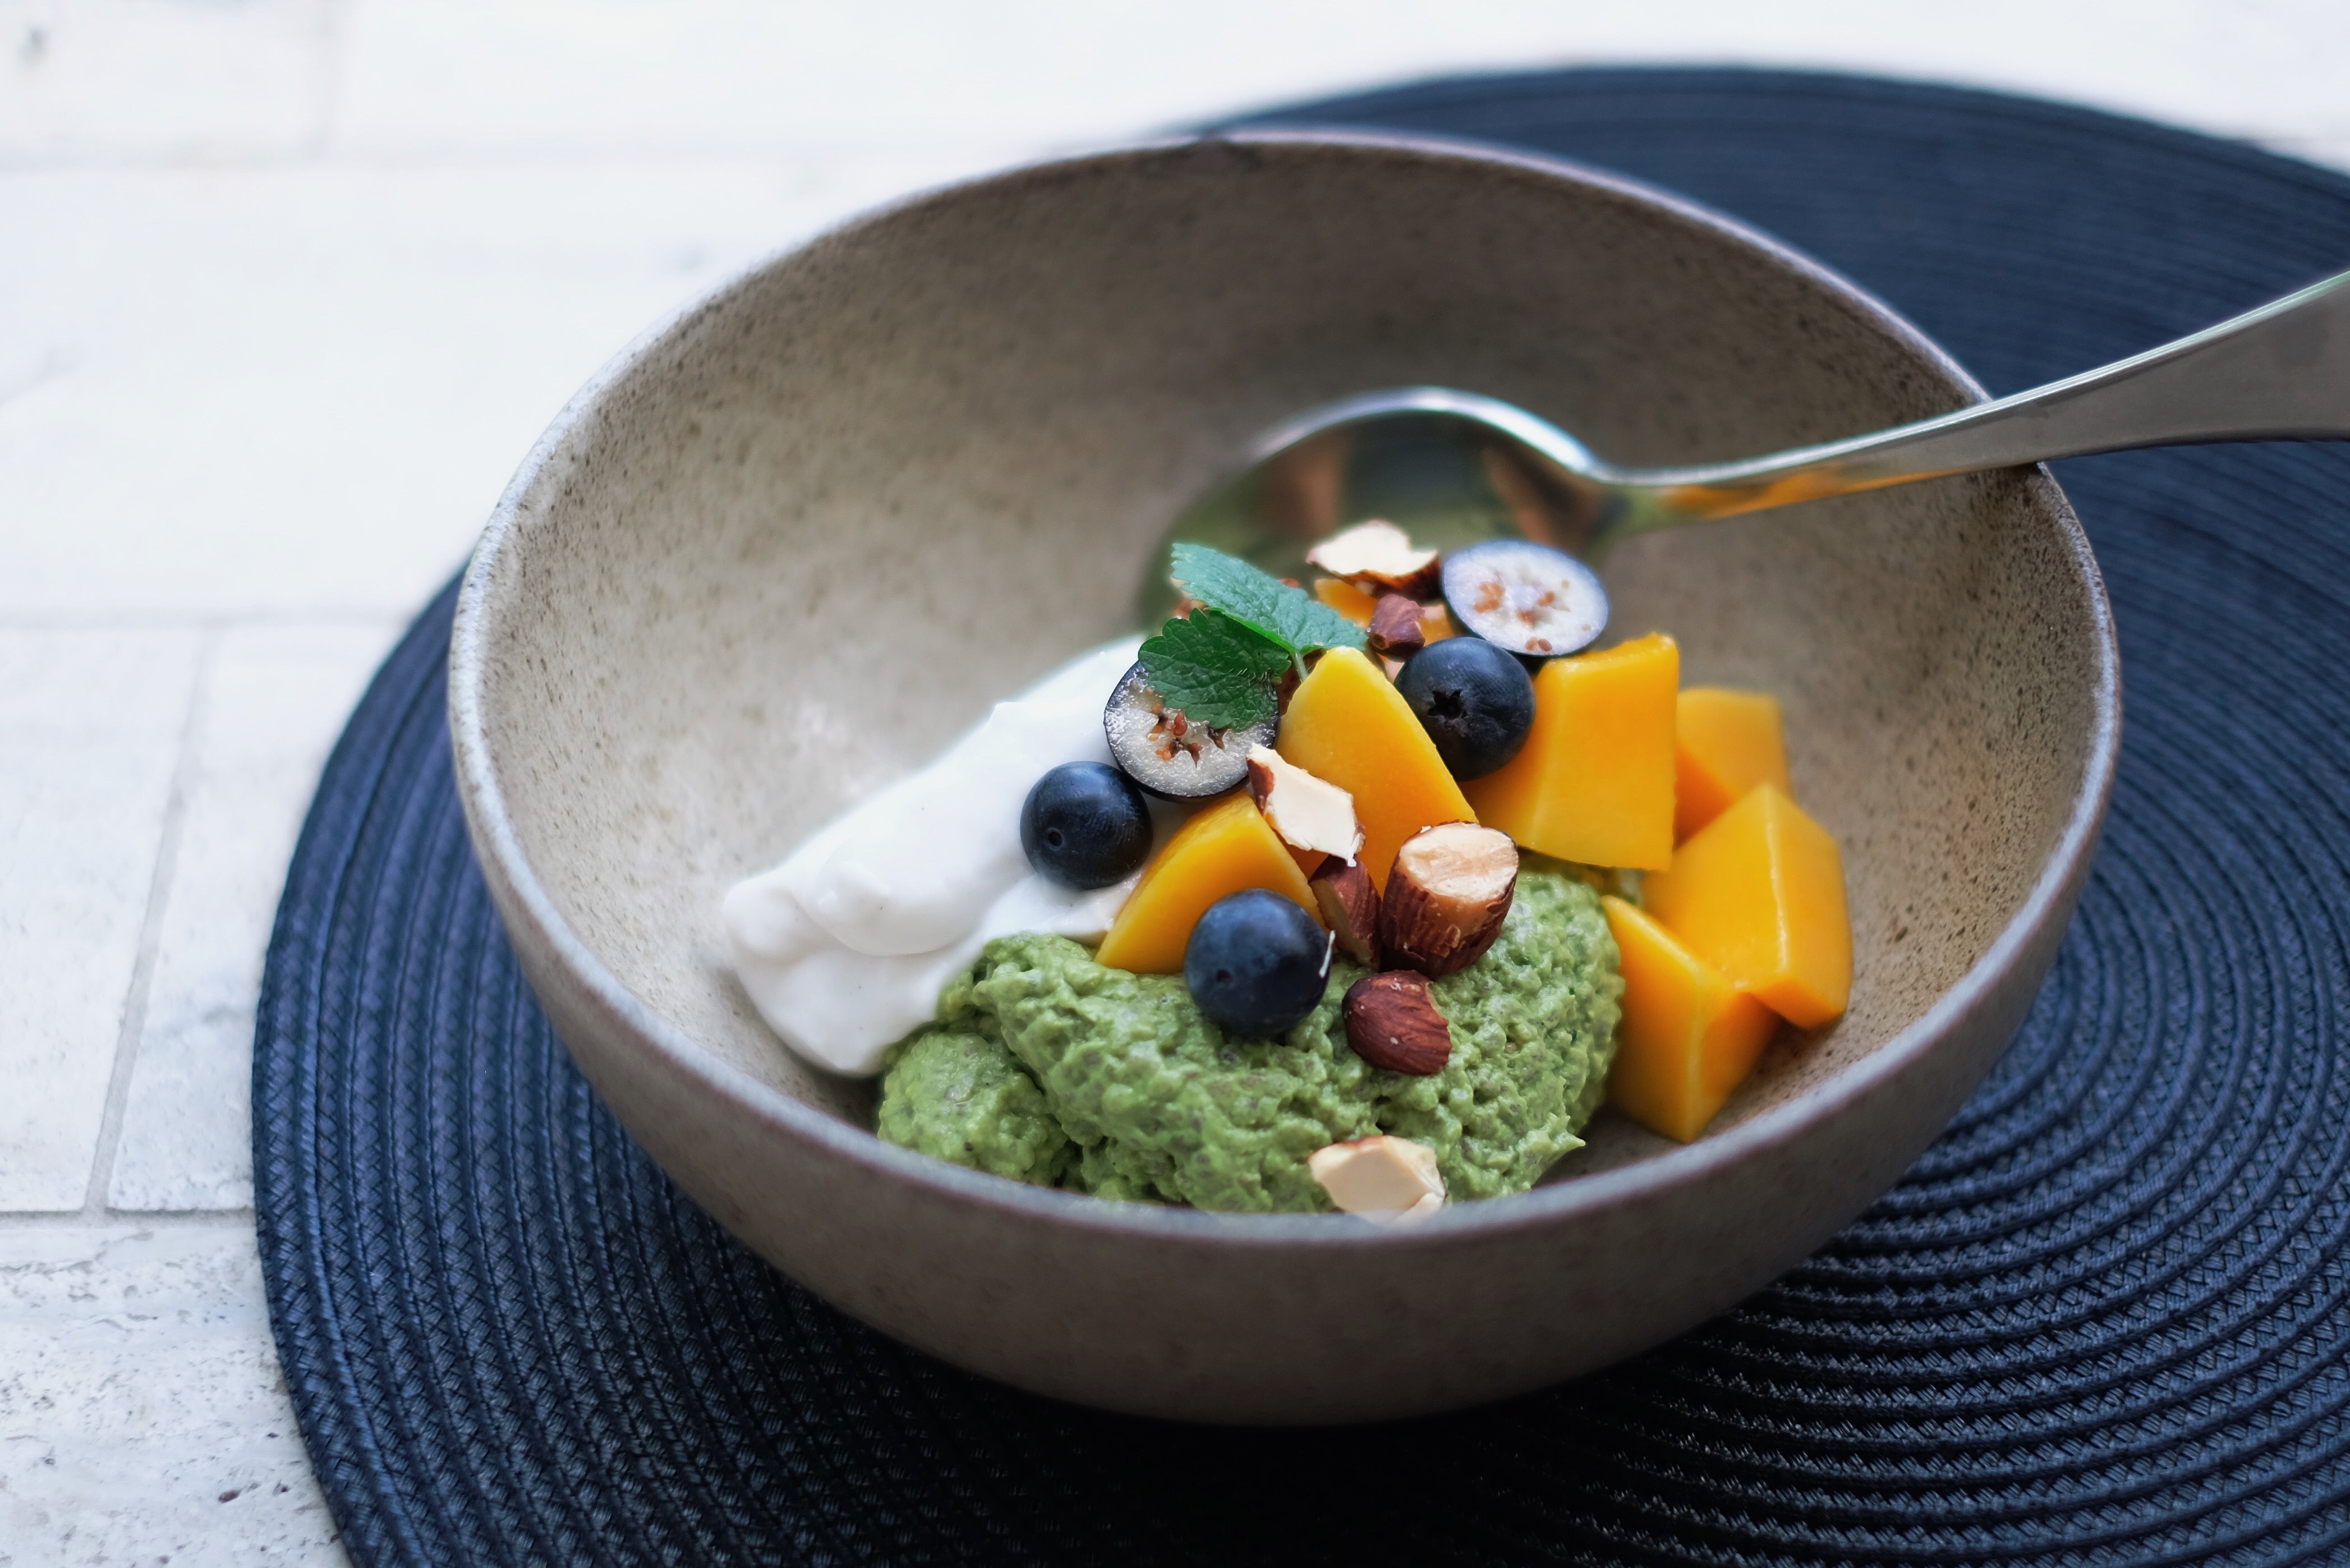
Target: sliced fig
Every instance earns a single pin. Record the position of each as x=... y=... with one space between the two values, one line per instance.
x=1528 y=598
x=1166 y=754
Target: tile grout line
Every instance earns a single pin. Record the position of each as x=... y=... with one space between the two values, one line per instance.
x=13 y=1221
x=142 y=972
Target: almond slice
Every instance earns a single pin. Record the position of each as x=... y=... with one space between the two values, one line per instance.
x=1350 y=907
x=1307 y=812
x=1445 y=899
x=1375 y=555
x=1391 y=1022
x=1386 y=1179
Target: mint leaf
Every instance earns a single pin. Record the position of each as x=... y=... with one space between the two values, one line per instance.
x=1290 y=617
x=1215 y=671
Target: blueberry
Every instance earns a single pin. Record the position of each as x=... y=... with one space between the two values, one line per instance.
x=1085 y=825
x=1473 y=698
x=1528 y=598
x=1167 y=754
x=1256 y=964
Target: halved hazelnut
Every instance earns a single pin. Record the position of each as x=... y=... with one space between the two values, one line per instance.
x=1446 y=897
x=1375 y=555
x=1350 y=907
x=1395 y=629
x=1308 y=813
x=1392 y=1022
x=1386 y=1179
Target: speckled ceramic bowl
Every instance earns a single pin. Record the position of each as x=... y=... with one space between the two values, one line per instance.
x=795 y=541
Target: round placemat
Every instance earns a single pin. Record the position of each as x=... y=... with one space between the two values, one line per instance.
x=2104 y=1320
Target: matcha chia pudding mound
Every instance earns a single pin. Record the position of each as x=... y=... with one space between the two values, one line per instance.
x=1047 y=1067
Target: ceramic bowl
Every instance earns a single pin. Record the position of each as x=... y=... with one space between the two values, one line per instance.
x=790 y=544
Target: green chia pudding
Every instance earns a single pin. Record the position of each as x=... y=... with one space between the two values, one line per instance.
x=1047 y=1067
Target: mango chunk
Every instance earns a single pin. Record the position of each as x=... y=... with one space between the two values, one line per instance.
x=1223 y=849
x=1758 y=893
x=1687 y=1037
x=1725 y=742
x=1347 y=723
x=1346 y=598
x=1594 y=781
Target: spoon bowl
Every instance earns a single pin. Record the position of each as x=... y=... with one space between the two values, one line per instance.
x=1453 y=467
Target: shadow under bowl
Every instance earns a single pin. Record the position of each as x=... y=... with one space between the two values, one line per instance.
x=789 y=545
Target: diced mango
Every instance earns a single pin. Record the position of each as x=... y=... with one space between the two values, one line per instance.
x=1347 y=723
x=1758 y=893
x=1595 y=780
x=1225 y=848
x=1688 y=1036
x=1725 y=742
x=1346 y=598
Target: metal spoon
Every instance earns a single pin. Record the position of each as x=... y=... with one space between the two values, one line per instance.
x=1453 y=467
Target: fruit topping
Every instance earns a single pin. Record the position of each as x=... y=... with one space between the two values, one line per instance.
x=1724 y=744
x=1386 y=1179
x=1391 y=1024
x=1307 y=813
x=1375 y=555
x=1524 y=597
x=1085 y=825
x=1476 y=701
x=1256 y=964
x=1758 y=893
x=1348 y=724
x=1350 y=907
x=1226 y=847
x=1443 y=903
x=1394 y=630
x=1169 y=754
x=1346 y=598
x=1593 y=783
x=1687 y=1038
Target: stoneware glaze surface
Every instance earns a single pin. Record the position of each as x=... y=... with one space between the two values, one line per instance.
x=794 y=541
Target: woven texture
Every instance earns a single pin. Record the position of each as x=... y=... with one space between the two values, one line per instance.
x=2104 y=1320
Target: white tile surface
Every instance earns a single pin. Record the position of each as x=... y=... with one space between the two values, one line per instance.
x=90 y=733
x=273 y=699
x=530 y=75
x=94 y=80
x=142 y=1418
x=314 y=405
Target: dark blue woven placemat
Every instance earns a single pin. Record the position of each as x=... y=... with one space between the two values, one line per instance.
x=2104 y=1320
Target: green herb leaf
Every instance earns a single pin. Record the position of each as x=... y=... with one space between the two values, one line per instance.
x=1214 y=670
x=1290 y=617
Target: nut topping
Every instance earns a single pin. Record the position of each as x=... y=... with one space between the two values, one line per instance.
x=1350 y=907
x=1387 y=1180
x=1391 y=1022
x=1377 y=555
x=1308 y=813
x=1395 y=629
x=1445 y=899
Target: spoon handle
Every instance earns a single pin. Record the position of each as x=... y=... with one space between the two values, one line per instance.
x=2280 y=372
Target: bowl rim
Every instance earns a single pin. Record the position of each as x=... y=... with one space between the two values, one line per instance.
x=705 y=1075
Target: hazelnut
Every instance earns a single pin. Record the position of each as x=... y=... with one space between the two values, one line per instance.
x=1377 y=555
x=1350 y=907
x=1392 y=1022
x=1446 y=897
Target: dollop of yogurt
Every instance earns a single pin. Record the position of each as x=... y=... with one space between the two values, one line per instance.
x=844 y=947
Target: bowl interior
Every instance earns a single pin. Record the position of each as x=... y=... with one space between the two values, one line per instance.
x=793 y=545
